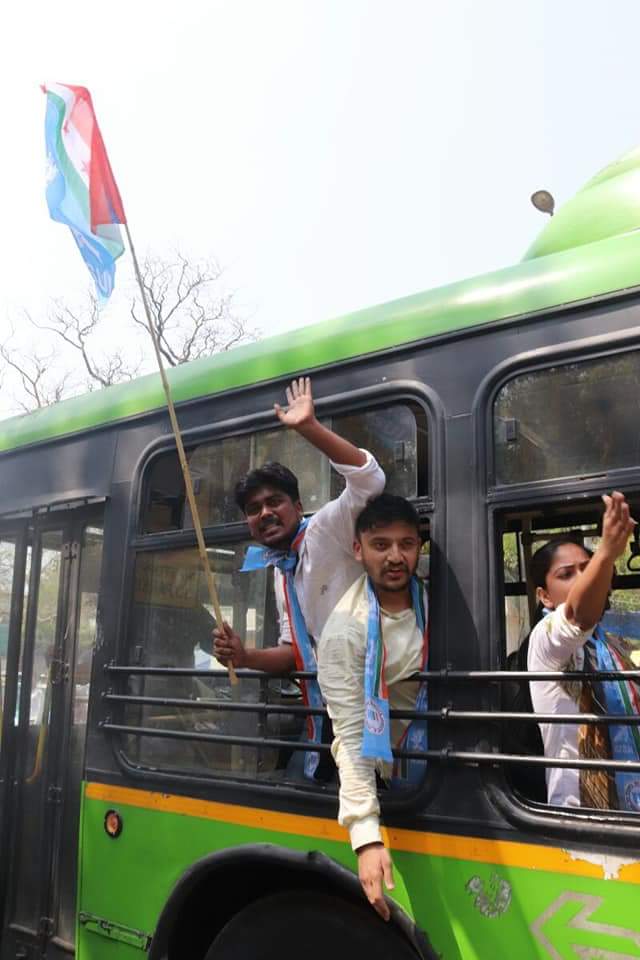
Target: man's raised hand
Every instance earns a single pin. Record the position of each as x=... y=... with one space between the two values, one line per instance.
x=300 y=404
x=374 y=866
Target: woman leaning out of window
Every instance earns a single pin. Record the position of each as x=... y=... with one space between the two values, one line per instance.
x=572 y=589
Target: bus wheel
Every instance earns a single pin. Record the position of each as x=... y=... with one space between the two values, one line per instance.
x=308 y=925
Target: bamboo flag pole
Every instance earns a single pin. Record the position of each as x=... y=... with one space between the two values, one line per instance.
x=186 y=472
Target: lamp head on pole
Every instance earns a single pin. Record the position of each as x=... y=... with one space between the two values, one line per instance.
x=543 y=201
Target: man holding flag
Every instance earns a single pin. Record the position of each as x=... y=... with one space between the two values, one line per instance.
x=312 y=559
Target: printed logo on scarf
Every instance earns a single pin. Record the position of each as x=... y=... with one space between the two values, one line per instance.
x=632 y=794
x=373 y=718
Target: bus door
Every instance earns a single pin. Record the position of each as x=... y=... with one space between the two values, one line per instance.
x=46 y=689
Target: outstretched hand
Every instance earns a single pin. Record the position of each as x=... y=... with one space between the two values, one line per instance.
x=300 y=409
x=374 y=866
x=617 y=525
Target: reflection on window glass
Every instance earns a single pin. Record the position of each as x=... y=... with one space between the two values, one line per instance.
x=569 y=420
x=86 y=627
x=395 y=434
x=7 y=559
x=171 y=627
x=32 y=782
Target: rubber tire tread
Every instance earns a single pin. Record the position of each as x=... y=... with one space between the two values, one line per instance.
x=308 y=925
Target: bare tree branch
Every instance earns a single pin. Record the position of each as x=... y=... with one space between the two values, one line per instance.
x=192 y=318
x=76 y=330
x=34 y=376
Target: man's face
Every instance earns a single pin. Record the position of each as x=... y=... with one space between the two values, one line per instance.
x=273 y=517
x=389 y=555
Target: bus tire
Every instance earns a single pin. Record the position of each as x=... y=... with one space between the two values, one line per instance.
x=308 y=925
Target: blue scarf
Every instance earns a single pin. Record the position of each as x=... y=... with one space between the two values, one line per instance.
x=376 y=740
x=257 y=558
x=620 y=698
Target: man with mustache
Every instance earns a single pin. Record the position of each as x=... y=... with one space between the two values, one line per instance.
x=313 y=560
x=375 y=638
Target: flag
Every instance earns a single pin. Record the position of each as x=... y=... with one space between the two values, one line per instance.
x=81 y=190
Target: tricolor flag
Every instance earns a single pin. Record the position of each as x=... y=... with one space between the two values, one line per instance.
x=81 y=190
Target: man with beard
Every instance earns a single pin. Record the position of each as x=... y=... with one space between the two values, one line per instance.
x=313 y=559
x=375 y=638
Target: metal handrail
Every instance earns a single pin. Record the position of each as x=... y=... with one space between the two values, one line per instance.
x=444 y=714
x=432 y=675
x=446 y=754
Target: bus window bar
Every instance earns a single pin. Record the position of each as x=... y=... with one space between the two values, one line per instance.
x=444 y=714
x=431 y=675
x=445 y=754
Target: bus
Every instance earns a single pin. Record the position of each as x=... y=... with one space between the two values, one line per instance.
x=145 y=804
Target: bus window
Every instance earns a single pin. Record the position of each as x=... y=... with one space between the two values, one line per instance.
x=7 y=560
x=33 y=766
x=171 y=627
x=86 y=631
x=171 y=621
x=568 y=420
x=522 y=534
x=396 y=434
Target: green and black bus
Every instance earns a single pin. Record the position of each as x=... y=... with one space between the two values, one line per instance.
x=145 y=806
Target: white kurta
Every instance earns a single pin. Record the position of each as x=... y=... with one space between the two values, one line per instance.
x=341 y=659
x=326 y=565
x=552 y=643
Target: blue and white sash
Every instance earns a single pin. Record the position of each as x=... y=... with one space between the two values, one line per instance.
x=620 y=698
x=257 y=558
x=376 y=740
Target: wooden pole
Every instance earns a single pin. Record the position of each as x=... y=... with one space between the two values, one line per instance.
x=186 y=472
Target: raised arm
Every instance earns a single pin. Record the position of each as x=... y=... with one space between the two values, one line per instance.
x=300 y=416
x=588 y=595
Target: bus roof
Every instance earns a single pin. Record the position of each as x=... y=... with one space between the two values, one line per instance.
x=591 y=247
x=529 y=287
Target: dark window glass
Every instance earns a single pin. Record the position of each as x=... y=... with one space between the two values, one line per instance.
x=571 y=420
x=395 y=434
x=86 y=632
x=7 y=559
x=31 y=782
x=171 y=627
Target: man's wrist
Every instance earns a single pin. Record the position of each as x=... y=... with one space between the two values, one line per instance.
x=241 y=658
x=307 y=426
x=369 y=846
x=365 y=832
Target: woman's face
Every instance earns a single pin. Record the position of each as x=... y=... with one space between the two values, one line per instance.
x=569 y=561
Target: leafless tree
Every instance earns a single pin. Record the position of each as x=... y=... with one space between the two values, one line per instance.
x=76 y=329
x=39 y=388
x=192 y=319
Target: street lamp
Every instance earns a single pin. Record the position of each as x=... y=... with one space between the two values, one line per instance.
x=543 y=201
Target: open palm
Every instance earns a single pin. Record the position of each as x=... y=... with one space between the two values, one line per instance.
x=300 y=404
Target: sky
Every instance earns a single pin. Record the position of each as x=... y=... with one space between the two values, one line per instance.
x=329 y=154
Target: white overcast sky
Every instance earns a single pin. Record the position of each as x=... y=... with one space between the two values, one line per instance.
x=332 y=154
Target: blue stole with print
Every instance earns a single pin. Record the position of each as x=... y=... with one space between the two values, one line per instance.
x=376 y=739
x=621 y=698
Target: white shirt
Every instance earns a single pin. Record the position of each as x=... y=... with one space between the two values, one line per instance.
x=552 y=643
x=341 y=658
x=326 y=565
